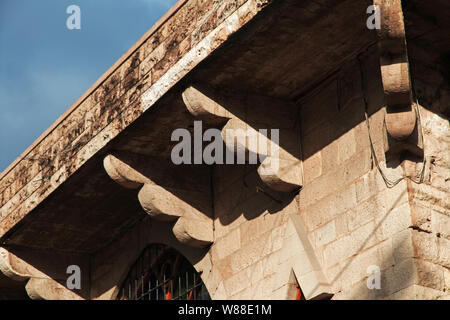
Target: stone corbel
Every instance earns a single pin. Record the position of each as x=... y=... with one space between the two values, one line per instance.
x=280 y=168
x=6 y=267
x=44 y=274
x=175 y=202
x=401 y=118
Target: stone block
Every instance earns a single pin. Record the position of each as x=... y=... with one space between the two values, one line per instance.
x=312 y=166
x=346 y=146
x=440 y=223
x=354 y=269
x=225 y=267
x=322 y=186
x=228 y=244
x=355 y=167
x=444 y=252
x=369 y=185
x=356 y=292
x=447 y=279
x=425 y=245
x=277 y=238
x=393 y=221
x=329 y=157
x=250 y=254
x=257 y=272
x=396 y=196
x=270 y=264
x=386 y=252
x=236 y=283
x=404 y=275
x=341 y=223
x=318 y=213
x=220 y=293
x=319 y=108
x=403 y=245
x=365 y=212
x=213 y=280
x=362 y=238
x=421 y=217
x=416 y=292
x=286 y=292
x=430 y=275
x=325 y=234
x=343 y=200
x=248 y=231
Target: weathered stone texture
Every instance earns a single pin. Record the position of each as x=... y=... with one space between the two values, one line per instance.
x=94 y=120
x=430 y=201
x=325 y=236
x=355 y=219
x=260 y=243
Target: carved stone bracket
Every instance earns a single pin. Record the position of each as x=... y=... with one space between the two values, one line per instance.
x=44 y=273
x=247 y=122
x=166 y=195
x=401 y=118
x=7 y=268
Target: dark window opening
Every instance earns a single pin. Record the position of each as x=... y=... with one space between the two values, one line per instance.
x=161 y=273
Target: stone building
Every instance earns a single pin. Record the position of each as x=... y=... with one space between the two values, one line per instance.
x=358 y=208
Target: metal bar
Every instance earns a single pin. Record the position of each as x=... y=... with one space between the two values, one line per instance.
x=164 y=284
x=179 y=288
x=170 y=287
x=142 y=286
x=187 y=285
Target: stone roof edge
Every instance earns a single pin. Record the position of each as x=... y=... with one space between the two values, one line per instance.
x=97 y=84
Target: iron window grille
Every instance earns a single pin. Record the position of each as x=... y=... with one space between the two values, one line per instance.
x=162 y=273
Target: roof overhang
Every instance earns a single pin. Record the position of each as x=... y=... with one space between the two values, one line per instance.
x=58 y=196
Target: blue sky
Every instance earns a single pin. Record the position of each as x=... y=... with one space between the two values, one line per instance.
x=45 y=67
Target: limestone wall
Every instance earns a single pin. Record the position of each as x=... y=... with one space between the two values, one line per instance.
x=325 y=236
x=430 y=202
x=353 y=220
x=93 y=120
x=250 y=233
x=344 y=219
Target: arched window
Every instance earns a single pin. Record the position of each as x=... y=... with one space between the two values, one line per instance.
x=161 y=273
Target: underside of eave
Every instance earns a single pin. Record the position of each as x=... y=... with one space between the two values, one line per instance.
x=308 y=43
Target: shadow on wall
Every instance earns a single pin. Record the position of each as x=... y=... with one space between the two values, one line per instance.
x=235 y=190
x=200 y=185
x=388 y=278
